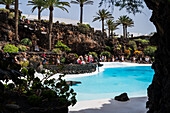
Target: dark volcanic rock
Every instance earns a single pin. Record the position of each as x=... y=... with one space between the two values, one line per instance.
x=73 y=82
x=122 y=97
x=159 y=90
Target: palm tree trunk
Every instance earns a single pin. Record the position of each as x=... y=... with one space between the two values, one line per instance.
x=16 y=20
x=103 y=27
x=39 y=13
x=81 y=13
x=7 y=6
x=124 y=31
x=50 y=25
x=109 y=31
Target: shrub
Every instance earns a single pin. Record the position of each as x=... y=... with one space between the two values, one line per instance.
x=150 y=50
x=24 y=63
x=34 y=100
x=83 y=28
x=106 y=53
x=133 y=44
x=94 y=54
x=26 y=41
x=63 y=60
x=142 y=41
x=62 y=46
x=108 y=48
x=11 y=15
x=57 y=50
x=22 y=48
x=10 y=48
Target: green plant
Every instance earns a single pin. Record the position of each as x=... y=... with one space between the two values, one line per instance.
x=94 y=54
x=83 y=28
x=76 y=55
x=106 y=53
x=11 y=15
x=132 y=44
x=4 y=10
x=57 y=50
x=26 y=41
x=108 y=48
x=10 y=48
x=62 y=46
x=142 y=41
x=34 y=100
x=63 y=60
x=150 y=50
x=22 y=48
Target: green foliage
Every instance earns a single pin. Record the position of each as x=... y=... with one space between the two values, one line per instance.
x=24 y=63
x=63 y=59
x=11 y=15
x=142 y=41
x=76 y=55
x=24 y=71
x=22 y=48
x=108 y=48
x=106 y=53
x=62 y=46
x=10 y=48
x=133 y=44
x=94 y=54
x=34 y=100
x=4 y=10
x=26 y=41
x=131 y=6
x=150 y=50
x=83 y=28
x=57 y=50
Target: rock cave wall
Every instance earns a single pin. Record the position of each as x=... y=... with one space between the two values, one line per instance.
x=159 y=90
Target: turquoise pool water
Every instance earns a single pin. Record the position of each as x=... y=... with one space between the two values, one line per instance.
x=114 y=81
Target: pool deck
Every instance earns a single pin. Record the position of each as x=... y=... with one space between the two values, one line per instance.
x=134 y=105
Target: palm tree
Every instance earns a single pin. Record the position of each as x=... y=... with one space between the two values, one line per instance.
x=51 y=4
x=126 y=22
x=7 y=3
x=82 y=3
x=16 y=20
x=101 y=16
x=109 y=23
x=37 y=4
x=113 y=27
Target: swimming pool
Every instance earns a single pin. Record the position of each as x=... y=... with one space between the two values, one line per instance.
x=114 y=81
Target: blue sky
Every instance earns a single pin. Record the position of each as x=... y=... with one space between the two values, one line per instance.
x=141 y=20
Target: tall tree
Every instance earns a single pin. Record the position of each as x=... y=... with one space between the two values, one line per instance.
x=82 y=3
x=16 y=20
x=51 y=4
x=7 y=3
x=109 y=23
x=126 y=22
x=37 y=4
x=113 y=27
x=102 y=15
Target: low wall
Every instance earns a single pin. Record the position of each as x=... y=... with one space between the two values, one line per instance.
x=75 y=68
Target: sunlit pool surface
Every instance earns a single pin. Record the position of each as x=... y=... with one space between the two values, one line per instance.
x=114 y=81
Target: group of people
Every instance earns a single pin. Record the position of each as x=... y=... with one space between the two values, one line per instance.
x=86 y=59
x=133 y=59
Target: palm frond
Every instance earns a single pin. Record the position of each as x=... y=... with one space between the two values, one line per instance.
x=74 y=2
x=88 y=3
